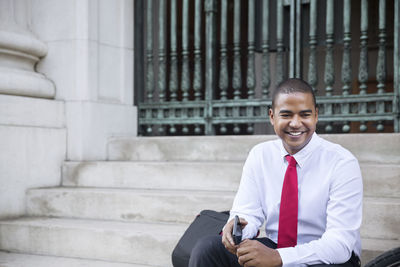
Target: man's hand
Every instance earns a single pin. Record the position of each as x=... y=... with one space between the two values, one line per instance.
x=255 y=254
x=227 y=238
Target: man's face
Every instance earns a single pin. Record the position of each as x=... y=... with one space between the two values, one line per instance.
x=294 y=119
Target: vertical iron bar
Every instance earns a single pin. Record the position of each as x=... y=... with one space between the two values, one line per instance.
x=237 y=72
x=329 y=76
x=185 y=78
x=210 y=9
x=149 y=52
x=139 y=55
x=279 y=43
x=396 y=66
x=197 y=80
x=251 y=79
x=161 y=49
x=149 y=56
x=223 y=70
x=381 y=66
x=299 y=50
x=173 y=76
x=363 y=67
x=346 y=63
x=292 y=45
x=197 y=77
x=312 y=63
x=266 y=80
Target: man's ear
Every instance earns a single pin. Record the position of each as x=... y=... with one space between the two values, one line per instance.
x=271 y=116
x=316 y=113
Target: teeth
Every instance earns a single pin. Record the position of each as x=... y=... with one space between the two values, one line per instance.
x=295 y=133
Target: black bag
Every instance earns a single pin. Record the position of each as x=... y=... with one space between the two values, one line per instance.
x=208 y=222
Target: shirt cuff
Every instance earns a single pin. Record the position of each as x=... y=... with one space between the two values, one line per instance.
x=250 y=230
x=289 y=257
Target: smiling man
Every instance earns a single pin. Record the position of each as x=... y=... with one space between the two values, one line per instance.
x=294 y=114
x=306 y=190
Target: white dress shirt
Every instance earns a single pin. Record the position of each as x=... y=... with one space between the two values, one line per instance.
x=330 y=200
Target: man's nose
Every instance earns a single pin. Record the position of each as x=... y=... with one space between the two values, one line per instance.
x=295 y=122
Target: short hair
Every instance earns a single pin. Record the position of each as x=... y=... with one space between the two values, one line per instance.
x=293 y=85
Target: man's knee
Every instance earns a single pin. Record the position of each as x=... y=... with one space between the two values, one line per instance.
x=206 y=252
x=207 y=245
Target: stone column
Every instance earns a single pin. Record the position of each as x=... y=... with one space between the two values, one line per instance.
x=20 y=51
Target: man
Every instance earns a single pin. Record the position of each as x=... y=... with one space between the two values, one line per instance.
x=308 y=191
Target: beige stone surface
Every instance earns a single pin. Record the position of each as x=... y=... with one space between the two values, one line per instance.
x=380 y=180
x=152 y=175
x=28 y=260
x=128 y=205
x=137 y=243
x=28 y=111
x=30 y=157
x=90 y=124
x=369 y=148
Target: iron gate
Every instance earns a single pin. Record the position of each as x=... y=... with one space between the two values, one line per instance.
x=208 y=66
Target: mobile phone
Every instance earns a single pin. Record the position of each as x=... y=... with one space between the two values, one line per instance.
x=237 y=231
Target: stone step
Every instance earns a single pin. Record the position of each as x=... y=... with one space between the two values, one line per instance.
x=135 y=243
x=381 y=218
x=89 y=243
x=28 y=260
x=178 y=206
x=178 y=148
x=374 y=148
x=125 y=205
x=152 y=175
x=371 y=248
x=379 y=179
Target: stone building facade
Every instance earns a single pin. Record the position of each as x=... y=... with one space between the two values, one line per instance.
x=66 y=85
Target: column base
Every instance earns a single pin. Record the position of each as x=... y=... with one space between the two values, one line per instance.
x=25 y=83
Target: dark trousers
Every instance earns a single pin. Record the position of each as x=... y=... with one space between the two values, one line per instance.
x=209 y=251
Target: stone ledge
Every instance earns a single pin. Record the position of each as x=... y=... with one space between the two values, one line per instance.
x=28 y=260
x=367 y=148
x=31 y=112
x=199 y=175
x=135 y=243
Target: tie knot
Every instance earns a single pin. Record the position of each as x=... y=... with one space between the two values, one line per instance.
x=291 y=160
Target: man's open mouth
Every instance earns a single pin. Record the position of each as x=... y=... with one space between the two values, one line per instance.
x=295 y=133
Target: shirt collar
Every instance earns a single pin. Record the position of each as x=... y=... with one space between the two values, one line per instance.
x=303 y=154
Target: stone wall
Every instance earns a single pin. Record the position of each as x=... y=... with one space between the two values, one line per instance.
x=90 y=59
x=66 y=86
x=32 y=145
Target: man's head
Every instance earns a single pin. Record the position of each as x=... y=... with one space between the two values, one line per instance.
x=293 y=85
x=294 y=114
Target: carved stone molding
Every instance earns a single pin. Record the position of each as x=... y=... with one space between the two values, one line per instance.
x=20 y=51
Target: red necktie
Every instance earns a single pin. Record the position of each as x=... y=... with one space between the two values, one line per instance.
x=287 y=231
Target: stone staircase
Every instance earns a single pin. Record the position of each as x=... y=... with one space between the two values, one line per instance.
x=132 y=209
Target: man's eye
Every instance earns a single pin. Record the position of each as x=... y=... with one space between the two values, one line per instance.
x=285 y=115
x=306 y=114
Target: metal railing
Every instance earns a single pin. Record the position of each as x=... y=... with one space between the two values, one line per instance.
x=210 y=68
